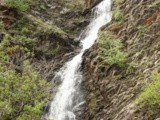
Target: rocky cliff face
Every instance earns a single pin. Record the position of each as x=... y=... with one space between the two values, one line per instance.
x=111 y=87
x=111 y=90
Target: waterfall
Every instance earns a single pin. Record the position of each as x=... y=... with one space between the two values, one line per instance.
x=69 y=97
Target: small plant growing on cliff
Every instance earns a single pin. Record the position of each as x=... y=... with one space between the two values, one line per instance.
x=117 y=2
x=54 y=51
x=20 y=5
x=1 y=26
x=142 y=31
x=109 y=50
x=130 y=68
x=46 y=28
x=24 y=41
x=118 y=15
x=150 y=96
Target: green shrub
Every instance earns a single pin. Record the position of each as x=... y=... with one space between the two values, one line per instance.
x=109 y=50
x=130 y=68
x=3 y=48
x=118 y=15
x=150 y=96
x=53 y=52
x=1 y=26
x=20 y=5
x=22 y=92
x=21 y=95
x=70 y=4
x=8 y=51
x=24 y=41
x=142 y=31
x=42 y=28
x=74 y=5
x=25 y=31
x=117 y=2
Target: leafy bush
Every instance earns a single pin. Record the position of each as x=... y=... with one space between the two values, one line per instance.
x=117 y=2
x=9 y=52
x=55 y=51
x=21 y=95
x=109 y=50
x=3 y=48
x=70 y=4
x=74 y=5
x=50 y=29
x=41 y=28
x=142 y=31
x=118 y=15
x=20 y=5
x=130 y=68
x=24 y=41
x=150 y=96
x=1 y=26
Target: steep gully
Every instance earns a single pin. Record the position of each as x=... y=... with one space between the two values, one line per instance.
x=69 y=97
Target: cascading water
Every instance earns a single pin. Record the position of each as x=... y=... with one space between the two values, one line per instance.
x=69 y=97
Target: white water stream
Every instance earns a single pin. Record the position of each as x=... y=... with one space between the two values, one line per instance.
x=69 y=97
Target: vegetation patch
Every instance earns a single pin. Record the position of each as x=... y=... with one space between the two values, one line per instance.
x=24 y=41
x=150 y=96
x=110 y=50
x=117 y=13
x=1 y=26
x=43 y=28
x=54 y=51
x=20 y=5
x=22 y=91
x=142 y=31
x=22 y=96
x=70 y=4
